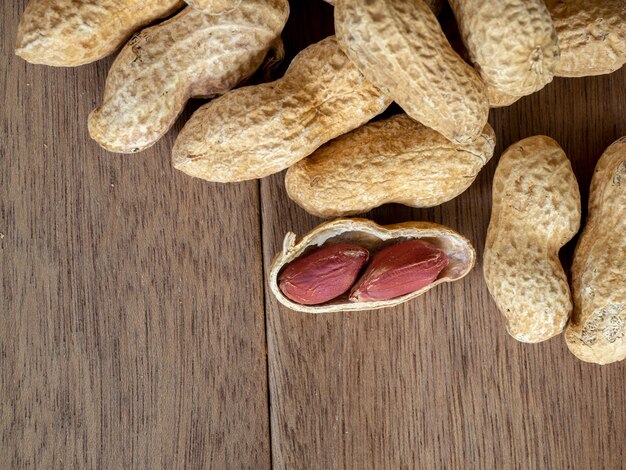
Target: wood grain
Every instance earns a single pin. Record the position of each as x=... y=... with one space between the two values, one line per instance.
x=132 y=326
x=438 y=383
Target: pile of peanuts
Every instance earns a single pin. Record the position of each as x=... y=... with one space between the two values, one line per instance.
x=314 y=122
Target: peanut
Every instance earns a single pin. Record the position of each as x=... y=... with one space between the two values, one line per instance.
x=258 y=130
x=500 y=99
x=400 y=47
x=435 y=5
x=190 y=55
x=597 y=329
x=536 y=210
x=399 y=270
x=322 y=274
x=512 y=43
x=67 y=33
x=592 y=36
x=374 y=238
x=392 y=160
x=495 y=97
x=214 y=7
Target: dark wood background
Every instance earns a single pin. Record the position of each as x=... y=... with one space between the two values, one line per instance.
x=136 y=329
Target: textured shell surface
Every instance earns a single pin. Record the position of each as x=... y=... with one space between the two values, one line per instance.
x=392 y=160
x=592 y=36
x=496 y=98
x=76 y=32
x=435 y=5
x=597 y=330
x=500 y=99
x=373 y=237
x=254 y=131
x=400 y=47
x=512 y=43
x=536 y=210
x=190 y=55
x=214 y=7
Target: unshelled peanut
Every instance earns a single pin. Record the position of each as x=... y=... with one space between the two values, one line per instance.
x=190 y=55
x=435 y=5
x=76 y=32
x=536 y=210
x=495 y=97
x=323 y=274
x=500 y=99
x=400 y=47
x=512 y=43
x=597 y=329
x=592 y=36
x=214 y=7
x=391 y=160
x=254 y=131
x=398 y=270
x=376 y=239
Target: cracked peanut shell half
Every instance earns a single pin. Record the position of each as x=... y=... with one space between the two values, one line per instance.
x=373 y=237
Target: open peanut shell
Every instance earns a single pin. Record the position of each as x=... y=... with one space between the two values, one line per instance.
x=374 y=237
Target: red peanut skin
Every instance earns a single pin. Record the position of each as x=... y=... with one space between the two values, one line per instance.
x=323 y=274
x=398 y=270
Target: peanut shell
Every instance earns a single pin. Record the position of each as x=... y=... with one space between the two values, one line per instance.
x=190 y=55
x=373 y=237
x=258 y=130
x=495 y=97
x=500 y=99
x=536 y=210
x=214 y=7
x=512 y=43
x=400 y=47
x=392 y=160
x=435 y=5
x=67 y=33
x=592 y=36
x=597 y=329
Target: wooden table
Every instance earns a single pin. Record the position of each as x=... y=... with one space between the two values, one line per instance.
x=137 y=330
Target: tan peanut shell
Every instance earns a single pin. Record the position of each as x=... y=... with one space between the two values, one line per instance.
x=435 y=5
x=512 y=43
x=254 y=131
x=597 y=329
x=190 y=55
x=500 y=99
x=592 y=36
x=400 y=47
x=214 y=7
x=495 y=97
x=373 y=237
x=67 y=33
x=392 y=160
x=536 y=210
